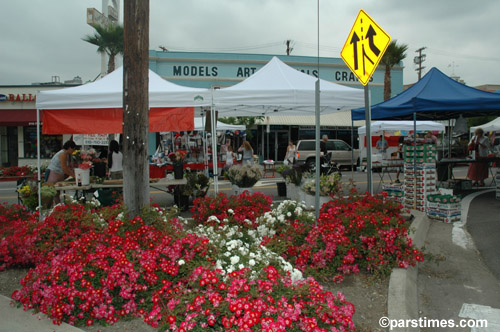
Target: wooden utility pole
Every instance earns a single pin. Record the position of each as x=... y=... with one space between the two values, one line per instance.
x=418 y=61
x=135 y=105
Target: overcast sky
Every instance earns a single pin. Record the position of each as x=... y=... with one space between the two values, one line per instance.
x=41 y=38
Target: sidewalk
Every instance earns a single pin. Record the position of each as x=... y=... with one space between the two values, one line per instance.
x=456 y=284
x=17 y=320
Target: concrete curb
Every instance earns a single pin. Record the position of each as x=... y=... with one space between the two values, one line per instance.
x=402 y=298
x=18 y=320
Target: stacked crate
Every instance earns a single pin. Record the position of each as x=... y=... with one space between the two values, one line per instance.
x=443 y=207
x=394 y=192
x=420 y=177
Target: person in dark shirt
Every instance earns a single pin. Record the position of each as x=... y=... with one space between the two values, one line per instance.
x=322 y=148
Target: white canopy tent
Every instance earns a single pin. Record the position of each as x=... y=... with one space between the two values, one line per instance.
x=493 y=125
x=378 y=127
x=96 y=107
x=280 y=89
x=395 y=128
x=108 y=93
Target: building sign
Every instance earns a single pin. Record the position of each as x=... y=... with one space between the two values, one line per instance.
x=91 y=139
x=364 y=47
x=20 y=97
x=204 y=71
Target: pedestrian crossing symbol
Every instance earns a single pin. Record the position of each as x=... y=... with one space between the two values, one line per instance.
x=364 y=47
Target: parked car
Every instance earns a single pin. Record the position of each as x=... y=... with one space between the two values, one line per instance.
x=341 y=152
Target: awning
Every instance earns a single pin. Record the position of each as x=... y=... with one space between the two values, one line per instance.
x=17 y=117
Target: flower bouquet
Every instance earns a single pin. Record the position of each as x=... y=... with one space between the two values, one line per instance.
x=244 y=176
x=177 y=157
x=84 y=162
x=85 y=158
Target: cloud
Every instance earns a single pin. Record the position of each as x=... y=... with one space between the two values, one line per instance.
x=43 y=38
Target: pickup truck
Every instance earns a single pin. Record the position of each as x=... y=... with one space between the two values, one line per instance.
x=341 y=152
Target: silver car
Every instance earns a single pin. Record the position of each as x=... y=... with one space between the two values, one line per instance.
x=342 y=153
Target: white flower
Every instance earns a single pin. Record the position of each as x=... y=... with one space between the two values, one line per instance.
x=181 y=262
x=241 y=266
x=296 y=275
x=251 y=262
x=230 y=211
x=235 y=260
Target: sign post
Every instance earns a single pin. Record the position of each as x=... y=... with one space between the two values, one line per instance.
x=362 y=52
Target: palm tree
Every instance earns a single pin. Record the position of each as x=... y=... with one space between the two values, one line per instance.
x=108 y=40
x=393 y=55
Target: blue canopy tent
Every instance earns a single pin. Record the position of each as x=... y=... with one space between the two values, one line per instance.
x=435 y=97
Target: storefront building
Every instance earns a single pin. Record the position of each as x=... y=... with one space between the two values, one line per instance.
x=18 y=135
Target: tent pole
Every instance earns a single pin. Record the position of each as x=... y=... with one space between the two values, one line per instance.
x=213 y=128
x=39 y=183
x=318 y=162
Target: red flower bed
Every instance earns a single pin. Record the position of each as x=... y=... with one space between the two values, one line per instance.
x=99 y=266
x=237 y=303
x=27 y=241
x=109 y=274
x=236 y=209
x=15 y=171
x=358 y=233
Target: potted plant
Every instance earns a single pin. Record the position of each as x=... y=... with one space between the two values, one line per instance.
x=197 y=184
x=329 y=186
x=47 y=193
x=281 y=186
x=293 y=178
x=244 y=176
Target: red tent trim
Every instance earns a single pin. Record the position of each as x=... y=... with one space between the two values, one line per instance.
x=110 y=120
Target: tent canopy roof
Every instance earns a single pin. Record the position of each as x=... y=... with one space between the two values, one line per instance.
x=278 y=89
x=379 y=126
x=493 y=125
x=108 y=93
x=435 y=96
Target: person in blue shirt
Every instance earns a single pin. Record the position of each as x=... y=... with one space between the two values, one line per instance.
x=382 y=146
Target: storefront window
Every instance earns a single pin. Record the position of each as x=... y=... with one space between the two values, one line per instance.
x=49 y=146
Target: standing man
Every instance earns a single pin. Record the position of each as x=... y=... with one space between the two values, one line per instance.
x=322 y=149
x=382 y=146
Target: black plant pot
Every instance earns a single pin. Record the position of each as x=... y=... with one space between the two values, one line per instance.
x=178 y=171
x=281 y=189
x=182 y=201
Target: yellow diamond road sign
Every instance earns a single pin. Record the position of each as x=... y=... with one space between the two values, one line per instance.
x=364 y=47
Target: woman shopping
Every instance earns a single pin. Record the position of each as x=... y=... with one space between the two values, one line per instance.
x=291 y=153
x=115 y=159
x=247 y=151
x=478 y=170
x=60 y=165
